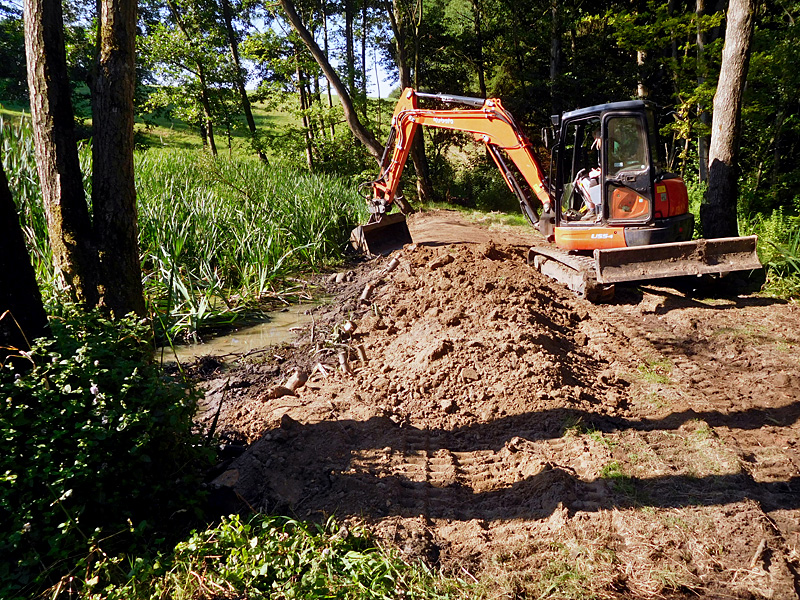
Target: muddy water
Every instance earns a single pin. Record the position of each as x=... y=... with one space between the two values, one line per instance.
x=279 y=327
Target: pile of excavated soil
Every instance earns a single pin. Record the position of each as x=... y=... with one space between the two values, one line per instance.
x=489 y=422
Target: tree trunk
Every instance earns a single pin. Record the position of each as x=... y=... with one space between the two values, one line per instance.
x=641 y=87
x=68 y=223
x=327 y=81
x=363 y=134
x=555 y=55
x=22 y=316
x=364 y=55
x=206 y=102
x=304 y=105
x=703 y=139
x=349 y=51
x=718 y=213
x=201 y=75
x=113 y=188
x=478 y=29
x=233 y=42
x=396 y=18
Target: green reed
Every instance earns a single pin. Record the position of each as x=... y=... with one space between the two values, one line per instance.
x=217 y=236
x=221 y=235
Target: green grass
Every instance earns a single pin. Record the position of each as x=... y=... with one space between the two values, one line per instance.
x=154 y=131
x=217 y=236
x=656 y=371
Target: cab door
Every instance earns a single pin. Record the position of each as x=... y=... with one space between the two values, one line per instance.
x=627 y=169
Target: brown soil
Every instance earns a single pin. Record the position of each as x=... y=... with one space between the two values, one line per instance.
x=514 y=434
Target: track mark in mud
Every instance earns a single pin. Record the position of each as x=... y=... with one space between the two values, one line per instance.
x=501 y=424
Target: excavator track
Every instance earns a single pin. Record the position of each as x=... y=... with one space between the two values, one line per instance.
x=577 y=272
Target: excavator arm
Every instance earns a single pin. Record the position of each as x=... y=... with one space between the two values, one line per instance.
x=488 y=122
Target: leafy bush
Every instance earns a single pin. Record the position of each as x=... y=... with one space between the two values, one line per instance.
x=697 y=192
x=778 y=248
x=276 y=557
x=96 y=450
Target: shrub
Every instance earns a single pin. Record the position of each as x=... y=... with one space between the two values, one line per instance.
x=278 y=557
x=97 y=449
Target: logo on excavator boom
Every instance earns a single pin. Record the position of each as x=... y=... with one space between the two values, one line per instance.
x=602 y=236
x=443 y=121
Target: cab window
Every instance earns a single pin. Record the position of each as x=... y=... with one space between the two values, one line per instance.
x=627 y=145
x=627 y=170
x=581 y=155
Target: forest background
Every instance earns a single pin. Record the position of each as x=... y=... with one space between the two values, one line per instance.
x=249 y=147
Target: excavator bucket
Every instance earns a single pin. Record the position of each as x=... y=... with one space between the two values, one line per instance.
x=382 y=237
x=696 y=257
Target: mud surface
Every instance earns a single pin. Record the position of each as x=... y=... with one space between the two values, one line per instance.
x=508 y=432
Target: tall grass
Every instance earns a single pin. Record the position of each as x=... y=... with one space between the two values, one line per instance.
x=217 y=236
x=19 y=164
x=220 y=235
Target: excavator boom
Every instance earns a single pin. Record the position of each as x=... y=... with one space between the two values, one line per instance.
x=488 y=122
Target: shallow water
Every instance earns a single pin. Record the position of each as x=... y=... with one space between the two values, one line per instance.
x=278 y=328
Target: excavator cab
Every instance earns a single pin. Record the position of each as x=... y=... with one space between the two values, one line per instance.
x=611 y=182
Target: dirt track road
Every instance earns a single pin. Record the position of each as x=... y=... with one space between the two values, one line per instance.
x=508 y=431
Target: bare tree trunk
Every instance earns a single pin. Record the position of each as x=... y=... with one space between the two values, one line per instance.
x=349 y=51
x=113 y=187
x=478 y=29
x=555 y=55
x=703 y=38
x=304 y=105
x=703 y=139
x=327 y=57
x=205 y=101
x=237 y=63
x=364 y=135
x=22 y=316
x=399 y=28
x=718 y=213
x=68 y=223
x=641 y=86
x=364 y=54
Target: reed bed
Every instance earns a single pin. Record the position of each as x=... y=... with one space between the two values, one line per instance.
x=217 y=237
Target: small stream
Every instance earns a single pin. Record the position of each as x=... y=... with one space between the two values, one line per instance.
x=280 y=326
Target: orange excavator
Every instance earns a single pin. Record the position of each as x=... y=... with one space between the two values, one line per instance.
x=609 y=212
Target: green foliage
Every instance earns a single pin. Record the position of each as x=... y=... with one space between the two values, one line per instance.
x=97 y=449
x=13 y=74
x=697 y=192
x=274 y=557
x=219 y=235
x=19 y=164
x=778 y=249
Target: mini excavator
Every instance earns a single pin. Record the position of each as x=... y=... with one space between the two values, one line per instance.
x=609 y=212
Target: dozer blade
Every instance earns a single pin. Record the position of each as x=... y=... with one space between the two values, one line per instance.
x=388 y=234
x=696 y=257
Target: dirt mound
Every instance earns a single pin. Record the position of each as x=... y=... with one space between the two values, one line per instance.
x=484 y=419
